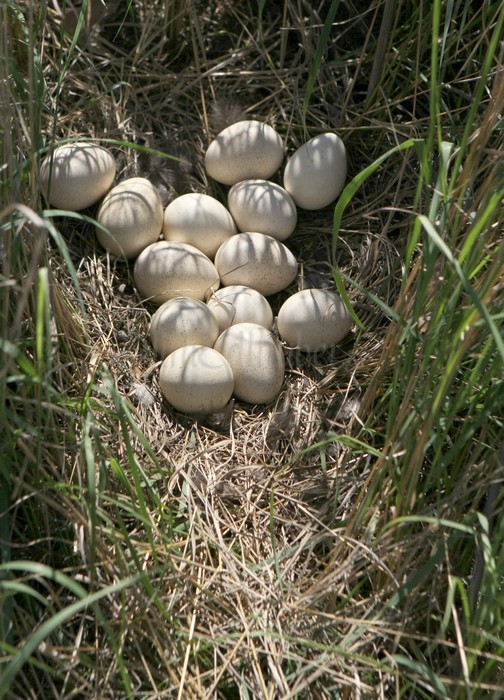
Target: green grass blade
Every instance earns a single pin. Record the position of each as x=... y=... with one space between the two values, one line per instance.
x=424 y=672
x=353 y=186
x=481 y=221
x=445 y=250
x=480 y=87
x=317 y=61
x=383 y=306
x=344 y=201
x=12 y=668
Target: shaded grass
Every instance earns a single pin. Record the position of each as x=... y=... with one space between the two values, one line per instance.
x=345 y=541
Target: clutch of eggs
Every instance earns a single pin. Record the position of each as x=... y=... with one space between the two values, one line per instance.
x=211 y=274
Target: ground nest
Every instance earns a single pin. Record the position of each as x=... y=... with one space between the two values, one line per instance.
x=240 y=518
x=178 y=111
x=232 y=467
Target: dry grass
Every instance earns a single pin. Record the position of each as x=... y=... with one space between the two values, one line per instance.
x=251 y=537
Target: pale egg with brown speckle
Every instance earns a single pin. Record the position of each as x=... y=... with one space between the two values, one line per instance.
x=315 y=174
x=240 y=304
x=313 y=319
x=244 y=150
x=182 y=321
x=76 y=175
x=167 y=269
x=256 y=260
x=262 y=206
x=196 y=379
x=130 y=217
x=199 y=220
x=257 y=360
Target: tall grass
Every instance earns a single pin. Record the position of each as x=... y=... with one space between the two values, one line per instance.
x=435 y=403
x=284 y=552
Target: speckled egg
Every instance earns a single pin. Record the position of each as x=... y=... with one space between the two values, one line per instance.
x=315 y=174
x=257 y=360
x=182 y=321
x=130 y=217
x=244 y=150
x=196 y=379
x=76 y=175
x=199 y=220
x=167 y=269
x=313 y=319
x=240 y=304
x=262 y=206
x=256 y=260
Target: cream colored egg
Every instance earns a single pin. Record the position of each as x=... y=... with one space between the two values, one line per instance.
x=182 y=321
x=196 y=379
x=262 y=206
x=315 y=174
x=244 y=150
x=130 y=217
x=240 y=304
x=168 y=269
x=76 y=175
x=257 y=360
x=256 y=260
x=200 y=220
x=313 y=319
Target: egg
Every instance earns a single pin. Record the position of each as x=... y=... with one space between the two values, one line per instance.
x=262 y=206
x=256 y=260
x=200 y=220
x=240 y=304
x=182 y=321
x=313 y=319
x=196 y=379
x=257 y=360
x=132 y=214
x=76 y=175
x=315 y=174
x=168 y=269
x=244 y=150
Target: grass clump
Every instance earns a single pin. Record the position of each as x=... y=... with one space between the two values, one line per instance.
x=346 y=541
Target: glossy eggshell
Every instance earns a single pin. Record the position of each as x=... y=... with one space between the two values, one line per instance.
x=244 y=150
x=196 y=379
x=199 y=220
x=76 y=175
x=315 y=174
x=167 y=269
x=257 y=361
x=313 y=319
x=240 y=304
x=262 y=206
x=256 y=260
x=132 y=214
x=182 y=321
